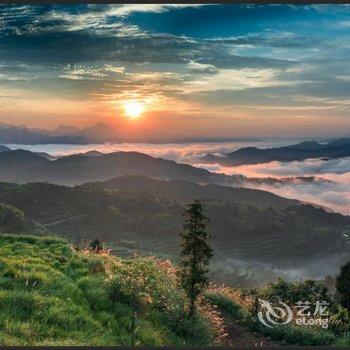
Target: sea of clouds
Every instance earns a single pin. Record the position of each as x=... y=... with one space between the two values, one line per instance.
x=334 y=193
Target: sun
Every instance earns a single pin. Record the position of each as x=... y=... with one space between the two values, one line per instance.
x=133 y=109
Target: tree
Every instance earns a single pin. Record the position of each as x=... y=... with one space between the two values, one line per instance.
x=195 y=253
x=343 y=286
x=96 y=246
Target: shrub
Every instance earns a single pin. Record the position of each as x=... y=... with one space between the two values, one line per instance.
x=11 y=218
x=345 y=340
x=291 y=293
x=339 y=322
x=143 y=285
x=224 y=303
x=300 y=335
x=95 y=246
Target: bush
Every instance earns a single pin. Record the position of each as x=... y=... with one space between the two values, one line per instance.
x=233 y=309
x=12 y=219
x=290 y=292
x=143 y=286
x=95 y=246
x=339 y=322
x=344 y=341
x=126 y=290
x=300 y=335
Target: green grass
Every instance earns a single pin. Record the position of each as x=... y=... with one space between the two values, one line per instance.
x=288 y=334
x=344 y=341
x=51 y=295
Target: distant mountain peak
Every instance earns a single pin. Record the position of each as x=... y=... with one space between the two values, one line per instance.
x=63 y=130
x=301 y=151
x=309 y=145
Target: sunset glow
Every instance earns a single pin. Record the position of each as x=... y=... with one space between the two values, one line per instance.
x=235 y=77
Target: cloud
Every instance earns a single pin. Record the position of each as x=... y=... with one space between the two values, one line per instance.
x=200 y=68
x=277 y=39
x=299 y=168
x=66 y=35
x=333 y=196
x=97 y=19
x=276 y=64
x=90 y=72
x=235 y=79
x=127 y=9
x=342 y=9
x=334 y=193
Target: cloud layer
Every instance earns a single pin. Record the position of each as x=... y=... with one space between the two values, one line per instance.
x=333 y=194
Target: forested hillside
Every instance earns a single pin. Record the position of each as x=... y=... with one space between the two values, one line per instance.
x=152 y=219
x=184 y=191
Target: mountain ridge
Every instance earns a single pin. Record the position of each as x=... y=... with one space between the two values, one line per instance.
x=301 y=151
x=22 y=166
x=10 y=134
x=184 y=190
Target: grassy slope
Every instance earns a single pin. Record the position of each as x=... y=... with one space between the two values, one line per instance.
x=51 y=295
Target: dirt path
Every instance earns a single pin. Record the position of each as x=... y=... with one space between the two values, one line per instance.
x=231 y=333
x=240 y=336
x=63 y=220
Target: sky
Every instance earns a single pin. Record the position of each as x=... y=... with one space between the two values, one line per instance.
x=188 y=70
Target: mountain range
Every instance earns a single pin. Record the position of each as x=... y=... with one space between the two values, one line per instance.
x=25 y=166
x=95 y=134
x=134 y=196
x=304 y=150
x=22 y=135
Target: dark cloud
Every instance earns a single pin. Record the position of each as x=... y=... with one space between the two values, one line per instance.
x=81 y=46
x=41 y=34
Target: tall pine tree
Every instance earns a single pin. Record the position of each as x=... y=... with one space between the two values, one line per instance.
x=195 y=253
